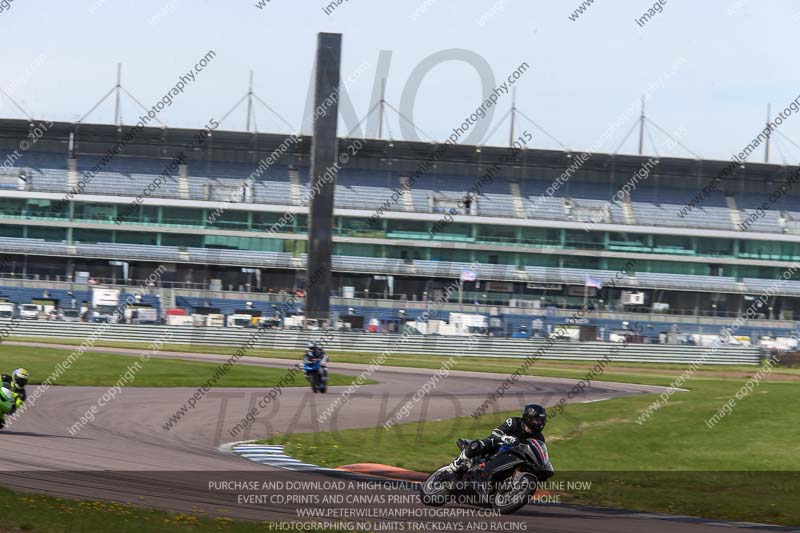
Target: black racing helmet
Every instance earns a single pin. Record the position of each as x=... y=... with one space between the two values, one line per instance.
x=534 y=416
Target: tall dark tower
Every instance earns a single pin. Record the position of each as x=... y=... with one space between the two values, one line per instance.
x=324 y=151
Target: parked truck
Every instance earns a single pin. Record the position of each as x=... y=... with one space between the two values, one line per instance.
x=8 y=310
x=141 y=315
x=105 y=302
x=240 y=320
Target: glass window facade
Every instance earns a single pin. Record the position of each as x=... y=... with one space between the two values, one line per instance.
x=673 y=248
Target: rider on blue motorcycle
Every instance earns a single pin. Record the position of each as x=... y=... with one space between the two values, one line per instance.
x=315 y=366
x=315 y=352
x=510 y=432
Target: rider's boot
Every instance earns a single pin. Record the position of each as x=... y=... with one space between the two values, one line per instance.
x=460 y=463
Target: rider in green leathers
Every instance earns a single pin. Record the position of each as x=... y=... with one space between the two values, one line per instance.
x=12 y=393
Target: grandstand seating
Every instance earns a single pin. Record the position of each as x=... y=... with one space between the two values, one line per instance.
x=524 y=192
x=363 y=189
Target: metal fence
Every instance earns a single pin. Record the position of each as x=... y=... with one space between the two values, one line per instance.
x=295 y=341
x=186 y=289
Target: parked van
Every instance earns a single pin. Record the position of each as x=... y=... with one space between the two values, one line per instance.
x=29 y=311
x=8 y=310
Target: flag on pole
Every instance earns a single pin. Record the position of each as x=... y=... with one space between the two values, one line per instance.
x=469 y=275
x=591 y=282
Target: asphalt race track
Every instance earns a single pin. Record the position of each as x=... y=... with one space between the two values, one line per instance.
x=127 y=455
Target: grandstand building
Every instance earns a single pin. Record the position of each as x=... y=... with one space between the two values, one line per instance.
x=233 y=208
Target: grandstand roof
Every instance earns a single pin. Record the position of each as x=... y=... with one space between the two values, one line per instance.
x=237 y=146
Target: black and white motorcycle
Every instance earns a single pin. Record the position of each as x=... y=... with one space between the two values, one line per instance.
x=505 y=480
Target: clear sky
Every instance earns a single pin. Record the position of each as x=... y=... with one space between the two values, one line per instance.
x=733 y=57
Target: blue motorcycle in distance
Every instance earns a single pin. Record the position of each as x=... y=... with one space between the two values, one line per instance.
x=316 y=374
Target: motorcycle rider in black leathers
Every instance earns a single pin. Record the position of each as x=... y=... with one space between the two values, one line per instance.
x=512 y=431
x=316 y=352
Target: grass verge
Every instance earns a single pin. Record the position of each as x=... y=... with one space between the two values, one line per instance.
x=645 y=373
x=100 y=369
x=35 y=513
x=745 y=468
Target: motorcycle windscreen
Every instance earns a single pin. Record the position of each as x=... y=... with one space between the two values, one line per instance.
x=538 y=450
x=501 y=463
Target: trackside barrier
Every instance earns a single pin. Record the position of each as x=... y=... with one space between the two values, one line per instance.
x=295 y=341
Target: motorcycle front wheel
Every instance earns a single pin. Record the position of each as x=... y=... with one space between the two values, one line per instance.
x=514 y=493
x=434 y=491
